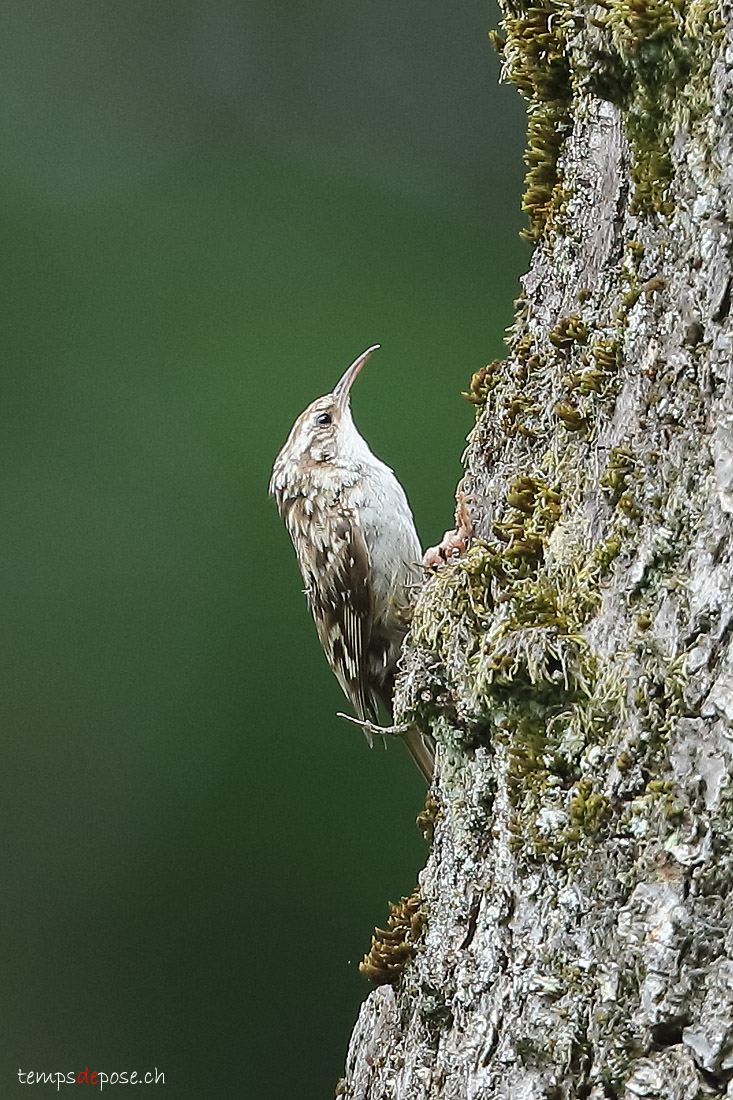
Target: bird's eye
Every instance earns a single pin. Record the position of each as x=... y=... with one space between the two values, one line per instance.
x=323 y=420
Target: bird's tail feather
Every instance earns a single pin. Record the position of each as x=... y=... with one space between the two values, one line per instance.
x=422 y=751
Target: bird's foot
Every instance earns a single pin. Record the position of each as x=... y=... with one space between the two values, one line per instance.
x=454 y=543
x=371 y=729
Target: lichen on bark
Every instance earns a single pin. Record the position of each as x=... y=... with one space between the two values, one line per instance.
x=575 y=665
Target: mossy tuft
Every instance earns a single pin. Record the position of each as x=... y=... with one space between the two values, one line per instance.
x=394 y=946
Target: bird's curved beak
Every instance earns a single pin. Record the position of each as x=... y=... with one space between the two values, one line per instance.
x=343 y=386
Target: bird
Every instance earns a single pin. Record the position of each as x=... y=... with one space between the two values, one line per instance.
x=358 y=551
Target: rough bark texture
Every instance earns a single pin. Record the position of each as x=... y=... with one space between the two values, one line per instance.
x=576 y=662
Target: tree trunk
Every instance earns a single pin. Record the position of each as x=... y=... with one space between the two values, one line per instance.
x=575 y=662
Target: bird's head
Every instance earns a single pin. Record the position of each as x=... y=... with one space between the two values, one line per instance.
x=325 y=432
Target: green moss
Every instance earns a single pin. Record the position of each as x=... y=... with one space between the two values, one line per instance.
x=648 y=35
x=504 y=389
x=535 y=61
x=570 y=416
x=556 y=811
x=500 y=609
x=394 y=946
x=621 y=467
x=595 y=375
x=531 y=511
x=660 y=54
x=508 y=617
x=624 y=761
x=606 y=354
x=653 y=63
x=569 y=331
x=587 y=809
x=663 y=805
x=428 y=817
x=627 y=504
x=630 y=299
x=605 y=554
x=483 y=381
x=505 y=620
x=659 y=702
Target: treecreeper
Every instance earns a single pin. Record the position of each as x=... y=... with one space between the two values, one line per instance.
x=358 y=551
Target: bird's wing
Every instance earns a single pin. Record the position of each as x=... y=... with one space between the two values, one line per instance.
x=340 y=598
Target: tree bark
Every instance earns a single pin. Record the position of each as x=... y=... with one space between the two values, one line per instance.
x=575 y=662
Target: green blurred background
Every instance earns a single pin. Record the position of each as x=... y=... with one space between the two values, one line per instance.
x=209 y=209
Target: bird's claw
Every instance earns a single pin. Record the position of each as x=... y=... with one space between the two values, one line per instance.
x=371 y=729
x=454 y=544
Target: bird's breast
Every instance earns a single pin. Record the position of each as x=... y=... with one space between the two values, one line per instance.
x=392 y=543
